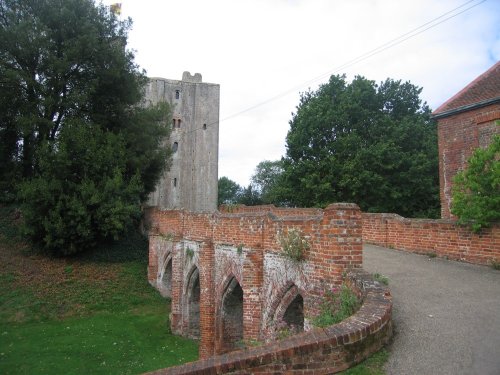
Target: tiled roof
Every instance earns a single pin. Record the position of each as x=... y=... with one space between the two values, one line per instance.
x=484 y=88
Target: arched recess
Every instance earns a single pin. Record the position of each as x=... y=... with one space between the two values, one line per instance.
x=192 y=308
x=294 y=314
x=231 y=326
x=289 y=313
x=166 y=277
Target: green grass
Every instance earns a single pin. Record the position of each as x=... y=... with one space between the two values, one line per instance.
x=93 y=313
x=99 y=344
x=90 y=314
x=381 y=278
x=372 y=366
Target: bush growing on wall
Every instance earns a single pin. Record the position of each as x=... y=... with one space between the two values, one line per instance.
x=476 y=190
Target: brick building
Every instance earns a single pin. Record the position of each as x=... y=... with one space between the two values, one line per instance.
x=465 y=122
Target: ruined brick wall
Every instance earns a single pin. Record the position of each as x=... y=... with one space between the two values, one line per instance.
x=458 y=136
x=229 y=280
x=318 y=351
x=441 y=237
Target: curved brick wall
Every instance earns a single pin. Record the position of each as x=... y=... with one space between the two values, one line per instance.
x=320 y=351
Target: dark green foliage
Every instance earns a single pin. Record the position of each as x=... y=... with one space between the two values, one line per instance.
x=266 y=180
x=79 y=195
x=250 y=196
x=228 y=191
x=75 y=138
x=476 y=190
x=373 y=145
x=262 y=189
x=232 y=193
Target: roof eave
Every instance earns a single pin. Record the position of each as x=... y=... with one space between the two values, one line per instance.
x=465 y=108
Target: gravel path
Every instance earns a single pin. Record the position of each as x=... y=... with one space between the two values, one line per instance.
x=446 y=314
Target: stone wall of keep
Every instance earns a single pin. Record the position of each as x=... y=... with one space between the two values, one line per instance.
x=443 y=238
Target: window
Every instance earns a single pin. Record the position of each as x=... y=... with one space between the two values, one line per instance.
x=204 y=126
x=176 y=123
x=175 y=146
x=175 y=182
x=177 y=94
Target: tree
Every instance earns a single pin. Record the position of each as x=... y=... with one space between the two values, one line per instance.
x=232 y=193
x=228 y=191
x=374 y=145
x=70 y=102
x=249 y=196
x=476 y=190
x=265 y=180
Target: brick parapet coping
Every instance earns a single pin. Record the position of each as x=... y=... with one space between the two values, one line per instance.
x=319 y=351
x=441 y=237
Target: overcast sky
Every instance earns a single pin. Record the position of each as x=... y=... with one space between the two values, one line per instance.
x=258 y=50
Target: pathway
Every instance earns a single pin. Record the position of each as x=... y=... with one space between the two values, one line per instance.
x=446 y=314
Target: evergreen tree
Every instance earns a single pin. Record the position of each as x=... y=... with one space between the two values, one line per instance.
x=70 y=107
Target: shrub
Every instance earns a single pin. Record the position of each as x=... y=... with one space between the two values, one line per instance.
x=476 y=198
x=337 y=305
x=294 y=244
x=81 y=195
x=381 y=278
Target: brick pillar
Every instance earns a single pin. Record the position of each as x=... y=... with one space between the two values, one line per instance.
x=253 y=277
x=345 y=223
x=340 y=245
x=207 y=300
x=177 y=289
x=153 y=260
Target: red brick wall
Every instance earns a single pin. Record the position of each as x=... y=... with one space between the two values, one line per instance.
x=319 y=351
x=442 y=237
x=244 y=245
x=458 y=136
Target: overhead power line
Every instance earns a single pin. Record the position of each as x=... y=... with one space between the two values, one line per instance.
x=383 y=47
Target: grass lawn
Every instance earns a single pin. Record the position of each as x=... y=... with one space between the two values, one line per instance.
x=94 y=313
x=90 y=314
x=372 y=366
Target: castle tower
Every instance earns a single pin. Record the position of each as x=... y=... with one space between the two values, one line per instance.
x=191 y=182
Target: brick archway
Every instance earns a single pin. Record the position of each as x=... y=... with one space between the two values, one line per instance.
x=230 y=316
x=192 y=305
x=287 y=311
x=243 y=276
x=166 y=276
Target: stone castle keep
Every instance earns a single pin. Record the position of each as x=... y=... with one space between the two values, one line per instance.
x=191 y=182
